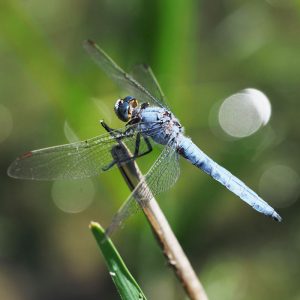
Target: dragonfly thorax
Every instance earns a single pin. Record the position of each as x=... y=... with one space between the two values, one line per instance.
x=124 y=108
x=159 y=124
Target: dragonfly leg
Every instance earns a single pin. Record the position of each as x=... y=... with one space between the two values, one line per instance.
x=137 y=146
x=109 y=129
x=135 y=155
x=110 y=165
x=128 y=132
x=105 y=126
x=134 y=121
x=118 y=138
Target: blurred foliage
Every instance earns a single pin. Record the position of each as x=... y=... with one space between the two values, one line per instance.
x=201 y=52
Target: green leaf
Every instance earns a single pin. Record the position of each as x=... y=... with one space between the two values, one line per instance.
x=123 y=280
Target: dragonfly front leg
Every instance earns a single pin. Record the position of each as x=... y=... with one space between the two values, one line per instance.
x=108 y=129
x=137 y=146
x=135 y=155
x=136 y=149
x=119 y=138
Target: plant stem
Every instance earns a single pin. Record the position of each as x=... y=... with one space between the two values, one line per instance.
x=167 y=241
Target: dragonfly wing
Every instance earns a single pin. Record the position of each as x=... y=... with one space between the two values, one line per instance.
x=71 y=161
x=118 y=75
x=162 y=176
x=145 y=76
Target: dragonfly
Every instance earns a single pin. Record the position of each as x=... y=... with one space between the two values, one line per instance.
x=149 y=121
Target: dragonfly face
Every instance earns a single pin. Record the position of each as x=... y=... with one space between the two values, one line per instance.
x=124 y=108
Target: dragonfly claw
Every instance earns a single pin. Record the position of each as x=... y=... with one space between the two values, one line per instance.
x=109 y=166
x=276 y=217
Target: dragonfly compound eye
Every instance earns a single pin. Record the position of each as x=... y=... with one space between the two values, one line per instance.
x=124 y=107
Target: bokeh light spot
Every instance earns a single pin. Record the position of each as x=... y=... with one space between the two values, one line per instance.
x=6 y=123
x=280 y=185
x=73 y=196
x=243 y=113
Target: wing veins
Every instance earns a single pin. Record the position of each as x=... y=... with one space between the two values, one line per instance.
x=116 y=73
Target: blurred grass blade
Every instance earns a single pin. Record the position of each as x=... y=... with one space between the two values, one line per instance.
x=123 y=280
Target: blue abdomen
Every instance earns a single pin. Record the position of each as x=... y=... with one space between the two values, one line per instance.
x=198 y=158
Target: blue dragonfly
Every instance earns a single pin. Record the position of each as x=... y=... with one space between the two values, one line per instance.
x=148 y=119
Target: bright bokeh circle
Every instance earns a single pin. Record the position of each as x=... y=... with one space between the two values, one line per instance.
x=243 y=113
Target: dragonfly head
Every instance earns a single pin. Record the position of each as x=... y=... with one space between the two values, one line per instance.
x=124 y=107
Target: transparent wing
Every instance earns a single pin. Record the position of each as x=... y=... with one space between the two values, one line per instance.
x=145 y=76
x=119 y=76
x=161 y=177
x=72 y=161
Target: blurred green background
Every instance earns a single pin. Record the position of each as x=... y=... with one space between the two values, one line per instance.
x=201 y=52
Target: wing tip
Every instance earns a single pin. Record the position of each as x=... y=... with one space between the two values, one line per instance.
x=146 y=66
x=14 y=168
x=11 y=170
x=17 y=170
x=89 y=43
